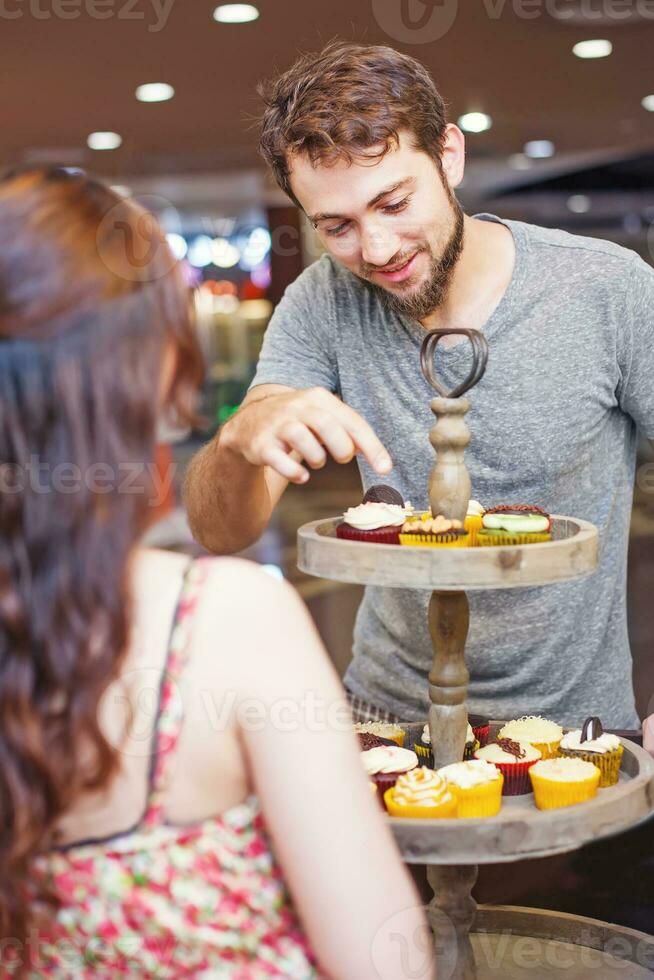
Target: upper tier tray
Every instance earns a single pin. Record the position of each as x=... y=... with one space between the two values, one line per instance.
x=571 y=554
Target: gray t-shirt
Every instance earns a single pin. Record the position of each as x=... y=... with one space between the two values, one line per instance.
x=570 y=376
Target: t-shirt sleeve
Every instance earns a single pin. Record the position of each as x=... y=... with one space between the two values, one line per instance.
x=636 y=350
x=298 y=346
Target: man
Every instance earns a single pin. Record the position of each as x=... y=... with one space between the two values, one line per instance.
x=357 y=136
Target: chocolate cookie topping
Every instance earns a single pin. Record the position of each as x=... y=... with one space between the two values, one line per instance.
x=383 y=494
x=513 y=748
x=591 y=729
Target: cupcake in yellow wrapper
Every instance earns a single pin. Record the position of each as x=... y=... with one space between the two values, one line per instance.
x=421 y=793
x=477 y=786
x=563 y=782
x=434 y=532
x=544 y=735
x=473 y=520
x=383 y=729
x=592 y=744
x=505 y=525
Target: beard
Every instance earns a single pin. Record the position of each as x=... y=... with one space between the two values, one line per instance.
x=423 y=301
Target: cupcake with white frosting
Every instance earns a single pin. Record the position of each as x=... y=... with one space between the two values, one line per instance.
x=543 y=734
x=563 y=782
x=386 y=762
x=378 y=519
x=514 y=760
x=592 y=744
x=421 y=793
x=477 y=786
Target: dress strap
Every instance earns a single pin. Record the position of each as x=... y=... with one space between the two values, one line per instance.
x=170 y=711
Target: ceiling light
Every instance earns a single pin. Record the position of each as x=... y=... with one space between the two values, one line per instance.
x=648 y=103
x=539 y=149
x=518 y=161
x=475 y=122
x=224 y=254
x=597 y=48
x=235 y=13
x=199 y=251
x=177 y=244
x=579 y=203
x=155 y=92
x=103 y=141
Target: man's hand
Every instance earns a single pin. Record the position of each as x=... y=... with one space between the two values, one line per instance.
x=280 y=428
x=648 y=734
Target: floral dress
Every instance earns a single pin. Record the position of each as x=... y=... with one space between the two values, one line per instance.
x=202 y=901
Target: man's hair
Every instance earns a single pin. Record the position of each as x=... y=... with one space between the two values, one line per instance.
x=347 y=102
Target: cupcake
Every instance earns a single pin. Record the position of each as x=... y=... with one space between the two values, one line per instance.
x=421 y=793
x=593 y=744
x=514 y=760
x=481 y=728
x=384 y=729
x=385 y=763
x=372 y=522
x=563 y=782
x=472 y=744
x=513 y=525
x=477 y=786
x=544 y=735
x=422 y=746
x=472 y=522
x=434 y=532
x=369 y=741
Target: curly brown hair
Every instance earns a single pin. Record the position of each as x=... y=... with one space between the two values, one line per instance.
x=83 y=330
x=345 y=102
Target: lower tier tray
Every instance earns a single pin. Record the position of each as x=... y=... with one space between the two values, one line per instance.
x=520 y=830
x=511 y=943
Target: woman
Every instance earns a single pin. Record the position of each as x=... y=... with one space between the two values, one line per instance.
x=152 y=709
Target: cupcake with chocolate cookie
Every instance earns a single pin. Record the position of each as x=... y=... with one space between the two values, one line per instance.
x=375 y=523
x=514 y=760
x=514 y=524
x=592 y=744
x=434 y=532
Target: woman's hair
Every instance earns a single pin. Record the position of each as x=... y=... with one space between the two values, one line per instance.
x=346 y=102
x=91 y=305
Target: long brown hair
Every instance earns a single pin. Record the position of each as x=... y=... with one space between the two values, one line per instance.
x=90 y=300
x=348 y=101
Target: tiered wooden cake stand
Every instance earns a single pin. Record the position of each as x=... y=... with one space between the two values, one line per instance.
x=452 y=849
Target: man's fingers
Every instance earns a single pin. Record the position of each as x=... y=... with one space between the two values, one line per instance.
x=331 y=434
x=296 y=435
x=364 y=439
x=278 y=459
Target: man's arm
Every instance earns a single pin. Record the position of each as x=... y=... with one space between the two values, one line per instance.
x=235 y=482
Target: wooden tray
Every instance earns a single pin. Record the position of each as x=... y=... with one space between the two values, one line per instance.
x=520 y=830
x=571 y=554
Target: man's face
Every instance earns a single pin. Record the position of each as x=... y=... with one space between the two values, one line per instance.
x=393 y=221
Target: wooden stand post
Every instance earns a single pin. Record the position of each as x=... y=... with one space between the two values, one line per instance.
x=451 y=913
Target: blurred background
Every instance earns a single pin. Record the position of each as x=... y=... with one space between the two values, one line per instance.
x=159 y=97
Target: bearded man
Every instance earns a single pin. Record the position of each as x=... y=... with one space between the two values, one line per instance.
x=358 y=137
